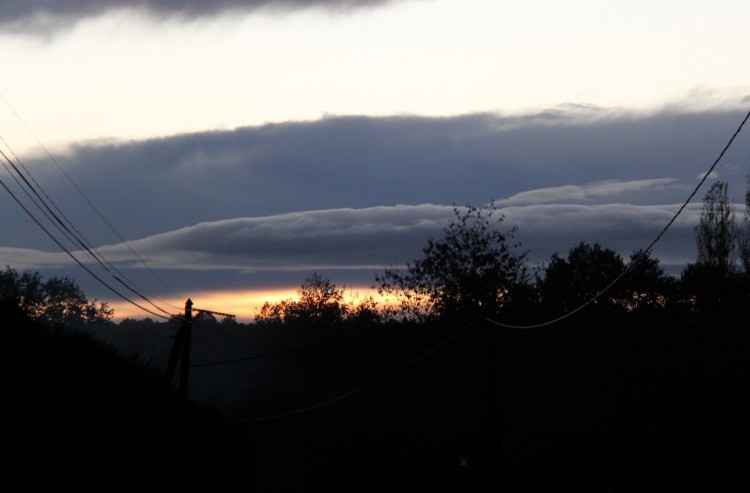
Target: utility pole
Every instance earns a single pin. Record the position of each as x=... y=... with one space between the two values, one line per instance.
x=181 y=347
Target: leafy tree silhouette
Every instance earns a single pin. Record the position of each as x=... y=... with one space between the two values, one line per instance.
x=714 y=284
x=716 y=231
x=319 y=303
x=743 y=237
x=58 y=301
x=570 y=282
x=646 y=287
x=472 y=271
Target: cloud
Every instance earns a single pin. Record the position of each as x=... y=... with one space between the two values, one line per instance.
x=23 y=259
x=378 y=237
x=582 y=192
x=351 y=195
x=709 y=176
x=47 y=14
x=362 y=162
x=340 y=238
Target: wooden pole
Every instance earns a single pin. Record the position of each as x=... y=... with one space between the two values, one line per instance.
x=181 y=349
x=186 y=328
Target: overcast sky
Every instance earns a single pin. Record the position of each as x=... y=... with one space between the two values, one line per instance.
x=240 y=146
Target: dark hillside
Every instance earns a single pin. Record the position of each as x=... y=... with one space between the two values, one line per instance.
x=655 y=404
x=79 y=413
x=616 y=408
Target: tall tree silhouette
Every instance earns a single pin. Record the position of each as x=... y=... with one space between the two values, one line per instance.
x=711 y=284
x=743 y=236
x=716 y=230
x=472 y=271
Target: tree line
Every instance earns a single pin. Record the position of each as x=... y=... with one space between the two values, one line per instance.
x=476 y=270
x=55 y=302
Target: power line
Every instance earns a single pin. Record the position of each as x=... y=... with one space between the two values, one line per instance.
x=63 y=224
x=72 y=233
x=87 y=200
x=644 y=252
x=367 y=385
x=66 y=227
x=52 y=237
x=285 y=352
x=452 y=336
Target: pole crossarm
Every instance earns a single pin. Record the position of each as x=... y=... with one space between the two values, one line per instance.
x=199 y=310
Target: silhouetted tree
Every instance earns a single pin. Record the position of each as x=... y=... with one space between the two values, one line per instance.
x=366 y=312
x=743 y=236
x=471 y=271
x=23 y=290
x=206 y=320
x=716 y=232
x=569 y=283
x=712 y=285
x=56 y=301
x=646 y=287
x=705 y=289
x=319 y=302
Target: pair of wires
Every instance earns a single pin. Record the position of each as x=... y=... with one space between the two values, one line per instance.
x=66 y=230
x=93 y=207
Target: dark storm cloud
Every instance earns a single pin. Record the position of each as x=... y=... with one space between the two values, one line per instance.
x=148 y=187
x=349 y=193
x=51 y=13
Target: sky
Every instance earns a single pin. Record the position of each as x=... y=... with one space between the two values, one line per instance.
x=226 y=151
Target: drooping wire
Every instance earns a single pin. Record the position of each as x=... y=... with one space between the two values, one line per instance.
x=368 y=385
x=283 y=353
x=643 y=253
x=71 y=232
x=75 y=236
x=70 y=254
x=89 y=202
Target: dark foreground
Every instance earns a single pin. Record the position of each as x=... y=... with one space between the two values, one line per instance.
x=600 y=408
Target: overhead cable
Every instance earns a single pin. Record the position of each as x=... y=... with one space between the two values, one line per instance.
x=66 y=227
x=643 y=253
x=88 y=201
x=54 y=239
x=369 y=384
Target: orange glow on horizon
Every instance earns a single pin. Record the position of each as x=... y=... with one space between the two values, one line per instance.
x=243 y=304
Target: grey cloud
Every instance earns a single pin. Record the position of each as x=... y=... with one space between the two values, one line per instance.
x=713 y=175
x=23 y=259
x=55 y=13
x=363 y=162
x=342 y=238
x=555 y=228
x=582 y=192
x=378 y=237
x=152 y=186
x=178 y=197
x=354 y=245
